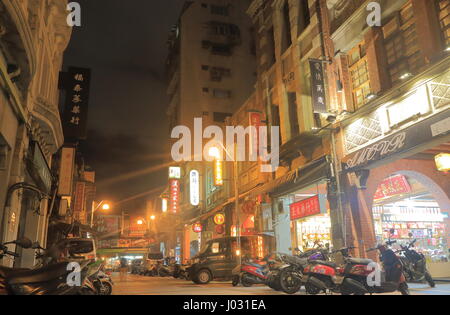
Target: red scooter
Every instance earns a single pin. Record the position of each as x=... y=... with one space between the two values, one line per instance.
x=355 y=276
x=252 y=272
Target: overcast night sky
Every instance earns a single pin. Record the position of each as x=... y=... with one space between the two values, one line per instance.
x=124 y=43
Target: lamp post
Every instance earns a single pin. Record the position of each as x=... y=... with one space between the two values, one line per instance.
x=214 y=152
x=103 y=204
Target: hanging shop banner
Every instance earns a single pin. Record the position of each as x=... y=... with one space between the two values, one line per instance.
x=407 y=139
x=305 y=208
x=194 y=187
x=38 y=168
x=218 y=173
x=219 y=219
x=318 y=86
x=79 y=200
x=174 y=172
x=66 y=168
x=174 y=195
x=77 y=84
x=255 y=120
x=393 y=186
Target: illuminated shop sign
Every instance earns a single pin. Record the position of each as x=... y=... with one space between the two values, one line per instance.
x=218 y=173
x=174 y=195
x=219 y=219
x=197 y=227
x=305 y=208
x=392 y=186
x=174 y=172
x=194 y=179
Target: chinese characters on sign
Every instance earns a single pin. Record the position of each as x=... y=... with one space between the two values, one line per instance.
x=392 y=186
x=218 y=173
x=194 y=187
x=76 y=107
x=174 y=195
x=318 y=86
x=305 y=208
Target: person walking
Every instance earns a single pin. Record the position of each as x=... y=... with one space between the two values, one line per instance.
x=123 y=269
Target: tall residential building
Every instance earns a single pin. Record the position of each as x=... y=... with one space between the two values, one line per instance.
x=211 y=68
x=33 y=37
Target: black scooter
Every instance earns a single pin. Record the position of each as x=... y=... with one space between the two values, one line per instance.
x=415 y=265
x=46 y=280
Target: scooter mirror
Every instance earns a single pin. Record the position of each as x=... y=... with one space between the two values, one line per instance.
x=36 y=245
x=24 y=242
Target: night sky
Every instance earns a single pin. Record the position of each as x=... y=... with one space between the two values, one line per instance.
x=124 y=43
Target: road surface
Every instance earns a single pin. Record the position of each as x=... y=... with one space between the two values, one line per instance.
x=140 y=285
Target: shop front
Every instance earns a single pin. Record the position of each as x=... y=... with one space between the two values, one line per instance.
x=397 y=189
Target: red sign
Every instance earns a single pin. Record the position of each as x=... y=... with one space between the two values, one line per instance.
x=220 y=229
x=174 y=195
x=219 y=219
x=197 y=227
x=255 y=121
x=305 y=208
x=392 y=186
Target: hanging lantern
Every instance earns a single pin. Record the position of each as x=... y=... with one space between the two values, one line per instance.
x=443 y=162
x=197 y=227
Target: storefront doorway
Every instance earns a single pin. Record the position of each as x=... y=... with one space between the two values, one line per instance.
x=407 y=205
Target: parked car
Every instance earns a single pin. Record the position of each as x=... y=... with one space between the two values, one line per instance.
x=136 y=265
x=217 y=259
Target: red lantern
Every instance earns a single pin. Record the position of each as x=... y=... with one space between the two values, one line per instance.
x=197 y=227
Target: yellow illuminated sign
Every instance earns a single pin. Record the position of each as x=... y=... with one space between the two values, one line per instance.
x=218 y=173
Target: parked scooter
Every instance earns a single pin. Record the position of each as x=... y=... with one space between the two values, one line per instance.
x=252 y=272
x=415 y=264
x=47 y=280
x=292 y=273
x=352 y=278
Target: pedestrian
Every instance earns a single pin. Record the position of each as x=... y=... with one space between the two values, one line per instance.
x=123 y=269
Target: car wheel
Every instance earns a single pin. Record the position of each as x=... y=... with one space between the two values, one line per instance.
x=203 y=277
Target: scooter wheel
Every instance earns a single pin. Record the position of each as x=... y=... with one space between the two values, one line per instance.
x=404 y=289
x=429 y=279
x=246 y=282
x=235 y=281
x=311 y=289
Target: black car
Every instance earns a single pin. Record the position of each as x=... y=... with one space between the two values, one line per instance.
x=217 y=259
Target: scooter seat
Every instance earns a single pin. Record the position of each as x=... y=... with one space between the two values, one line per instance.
x=38 y=275
x=359 y=261
x=8 y=272
x=325 y=263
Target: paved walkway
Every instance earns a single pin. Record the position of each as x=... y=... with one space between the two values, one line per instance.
x=140 y=285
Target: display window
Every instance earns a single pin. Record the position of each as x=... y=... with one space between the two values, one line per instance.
x=404 y=210
x=313 y=230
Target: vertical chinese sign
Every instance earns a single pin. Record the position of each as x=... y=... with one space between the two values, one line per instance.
x=77 y=84
x=218 y=172
x=174 y=195
x=78 y=204
x=318 y=86
x=255 y=119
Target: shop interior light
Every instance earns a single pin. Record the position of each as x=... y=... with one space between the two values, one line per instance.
x=447 y=49
x=405 y=76
x=443 y=162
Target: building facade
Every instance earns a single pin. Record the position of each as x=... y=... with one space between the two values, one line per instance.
x=33 y=37
x=211 y=69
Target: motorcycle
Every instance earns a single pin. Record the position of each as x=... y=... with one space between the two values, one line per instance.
x=292 y=273
x=353 y=277
x=415 y=264
x=47 y=280
x=102 y=283
x=252 y=272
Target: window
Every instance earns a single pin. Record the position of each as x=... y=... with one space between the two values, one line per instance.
x=217 y=73
x=223 y=50
x=220 y=117
x=401 y=43
x=225 y=29
x=205 y=68
x=219 y=93
x=304 y=17
x=271 y=46
x=293 y=115
x=220 y=10
x=359 y=74
x=444 y=18
x=205 y=90
x=3 y=156
x=287 y=36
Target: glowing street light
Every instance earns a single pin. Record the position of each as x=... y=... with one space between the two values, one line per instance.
x=152 y=217
x=104 y=206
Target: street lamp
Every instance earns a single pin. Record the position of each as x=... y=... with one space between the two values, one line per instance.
x=214 y=152
x=103 y=204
